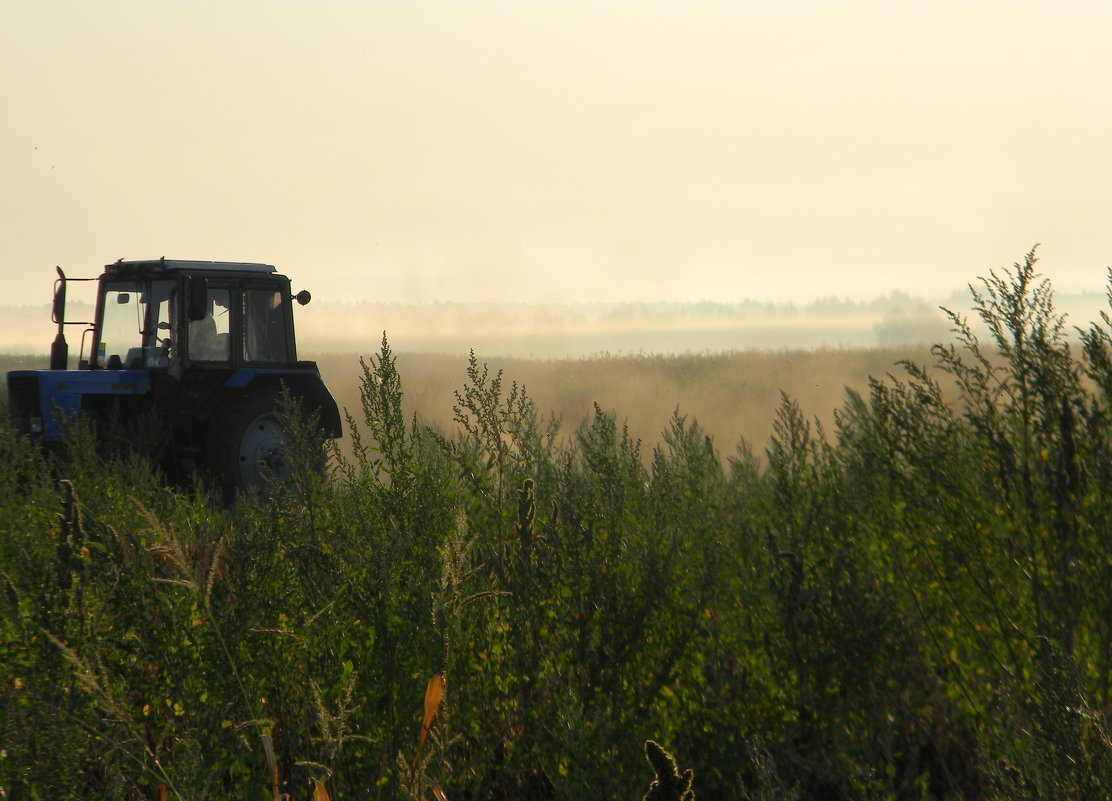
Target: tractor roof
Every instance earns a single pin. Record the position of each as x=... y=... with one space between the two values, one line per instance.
x=122 y=266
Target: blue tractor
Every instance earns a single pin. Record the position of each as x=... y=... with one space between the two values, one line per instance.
x=196 y=353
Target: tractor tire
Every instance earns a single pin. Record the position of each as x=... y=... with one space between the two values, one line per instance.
x=246 y=445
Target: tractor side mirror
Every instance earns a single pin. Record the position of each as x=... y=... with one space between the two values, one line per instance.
x=303 y=297
x=196 y=293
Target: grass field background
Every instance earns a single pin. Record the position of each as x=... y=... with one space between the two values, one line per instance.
x=732 y=395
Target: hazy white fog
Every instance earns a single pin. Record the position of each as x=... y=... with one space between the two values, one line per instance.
x=577 y=330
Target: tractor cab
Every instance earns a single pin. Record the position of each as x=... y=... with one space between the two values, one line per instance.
x=173 y=315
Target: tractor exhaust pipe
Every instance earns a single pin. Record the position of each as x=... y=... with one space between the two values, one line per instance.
x=59 y=350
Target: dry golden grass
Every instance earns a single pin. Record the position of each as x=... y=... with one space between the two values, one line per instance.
x=732 y=395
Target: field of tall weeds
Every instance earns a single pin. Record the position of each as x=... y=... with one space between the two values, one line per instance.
x=909 y=603
x=733 y=394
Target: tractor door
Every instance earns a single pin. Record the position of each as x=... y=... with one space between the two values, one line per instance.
x=211 y=353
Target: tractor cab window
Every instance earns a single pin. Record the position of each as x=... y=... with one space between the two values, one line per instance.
x=136 y=325
x=210 y=337
x=264 y=322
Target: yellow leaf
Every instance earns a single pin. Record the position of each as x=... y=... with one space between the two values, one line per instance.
x=434 y=692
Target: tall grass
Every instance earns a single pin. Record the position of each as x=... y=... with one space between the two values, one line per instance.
x=734 y=395
x=907 y=600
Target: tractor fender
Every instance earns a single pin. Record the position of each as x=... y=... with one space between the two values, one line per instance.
x=303 y=383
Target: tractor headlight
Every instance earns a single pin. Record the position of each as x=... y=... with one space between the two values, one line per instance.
x=36 y=425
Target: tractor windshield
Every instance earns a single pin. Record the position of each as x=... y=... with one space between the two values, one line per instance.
x=136 y=325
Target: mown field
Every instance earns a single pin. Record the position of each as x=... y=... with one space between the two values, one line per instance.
x=912 y=604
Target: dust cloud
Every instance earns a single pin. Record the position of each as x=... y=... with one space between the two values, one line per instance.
x=581 y=330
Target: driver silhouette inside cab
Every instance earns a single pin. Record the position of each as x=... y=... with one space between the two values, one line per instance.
x=207 y=343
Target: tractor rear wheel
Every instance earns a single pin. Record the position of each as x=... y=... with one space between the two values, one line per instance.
x=247 y=445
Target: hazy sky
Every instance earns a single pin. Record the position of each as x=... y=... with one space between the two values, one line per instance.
x=572 y=150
